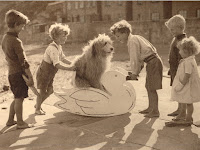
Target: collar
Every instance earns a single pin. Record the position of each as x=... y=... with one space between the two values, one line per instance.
x=181 y=36
x=56 y=45
x=129 y=37
x=188 y=58
x=13 y=34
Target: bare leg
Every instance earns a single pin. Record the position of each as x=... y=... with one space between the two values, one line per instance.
x=190 y=110
x=176 y=112
x=153 y=96
x=40 y=99
x=19 y=113
x=149 y=109
x=11 y=121
x=182 y=113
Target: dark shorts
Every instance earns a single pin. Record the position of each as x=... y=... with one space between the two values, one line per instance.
x=18 y=85
x=154 y=70
x=45 y=76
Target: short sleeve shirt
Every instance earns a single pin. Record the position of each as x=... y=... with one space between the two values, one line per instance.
x=54 y=54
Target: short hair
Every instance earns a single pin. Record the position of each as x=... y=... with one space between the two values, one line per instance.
x=176 y=21
x=14 y=17
x=57 y=28
x=190 y=45
x=122 y=26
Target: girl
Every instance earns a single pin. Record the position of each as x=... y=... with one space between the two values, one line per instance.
x=186 y=85
x=51 y=63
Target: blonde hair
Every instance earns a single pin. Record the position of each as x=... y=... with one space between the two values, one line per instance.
x=122 y=26
x=176 y=21
x=189 y=45
x=57 y=28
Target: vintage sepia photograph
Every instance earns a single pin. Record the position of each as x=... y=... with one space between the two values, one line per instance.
x=99 y=75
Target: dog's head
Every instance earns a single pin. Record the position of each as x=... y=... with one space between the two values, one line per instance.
x=101 y=46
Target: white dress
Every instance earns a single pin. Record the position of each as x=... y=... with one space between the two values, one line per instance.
x=190 y=93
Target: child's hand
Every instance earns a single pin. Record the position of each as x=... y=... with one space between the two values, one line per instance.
x=169 y=72
x=29 y=81
x=131 y=77
x=178 y=87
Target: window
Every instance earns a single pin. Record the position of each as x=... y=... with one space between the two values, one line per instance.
x=119 y=16
x=120 y=3
x=88 y=4
x=139 y=2
x=198 y=13
x=107 y=3
x=183 y=13
x=93 y=3
x=82 y=19
x=77 y=18
x=155 y=16
x=81 y=4
x=69 y=6
x=76 y=5
x=138 y=17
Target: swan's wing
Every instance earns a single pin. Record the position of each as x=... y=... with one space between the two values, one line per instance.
x=89 y=95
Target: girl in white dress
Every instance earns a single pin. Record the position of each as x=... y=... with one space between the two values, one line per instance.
x=186 y=85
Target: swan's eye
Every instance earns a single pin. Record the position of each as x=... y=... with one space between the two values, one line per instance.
x=115 y=75
x=105 y=43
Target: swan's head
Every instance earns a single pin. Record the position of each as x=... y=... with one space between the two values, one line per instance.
x=113 y=80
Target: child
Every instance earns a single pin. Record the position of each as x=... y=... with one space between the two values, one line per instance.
x=17 y=66
x=186 y=85
x=140 y=51
x=176 y=26
x=51 y=62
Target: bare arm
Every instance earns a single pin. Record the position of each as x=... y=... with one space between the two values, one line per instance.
x=66 y=61
x=65 y=67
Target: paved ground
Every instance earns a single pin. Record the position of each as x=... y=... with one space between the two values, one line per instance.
x=59 y=130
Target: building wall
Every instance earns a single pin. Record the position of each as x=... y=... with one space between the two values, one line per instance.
x=142 y=10
x=190 y=6
x=113 y=10
x=155 y=32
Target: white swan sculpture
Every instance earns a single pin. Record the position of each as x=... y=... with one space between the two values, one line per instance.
x=97 y=103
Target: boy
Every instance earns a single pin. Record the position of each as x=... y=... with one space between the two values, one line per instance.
x=176 y=26
x=140 y=51
x=17 y=65
x=53 y=60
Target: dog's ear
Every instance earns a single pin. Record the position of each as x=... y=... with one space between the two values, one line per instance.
x=93 y=50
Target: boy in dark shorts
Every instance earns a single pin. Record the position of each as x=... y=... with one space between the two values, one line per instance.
x=176 y=26
x=140 y=51
x=17 y=66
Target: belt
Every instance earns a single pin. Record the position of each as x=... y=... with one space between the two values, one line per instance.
x=150 y=57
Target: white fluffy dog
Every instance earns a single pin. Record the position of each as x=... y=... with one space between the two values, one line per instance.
x=93 y=62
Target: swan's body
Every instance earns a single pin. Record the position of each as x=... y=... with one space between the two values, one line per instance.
x=119 y=99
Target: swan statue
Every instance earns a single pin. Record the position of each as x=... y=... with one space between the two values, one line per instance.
x=119 y=99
